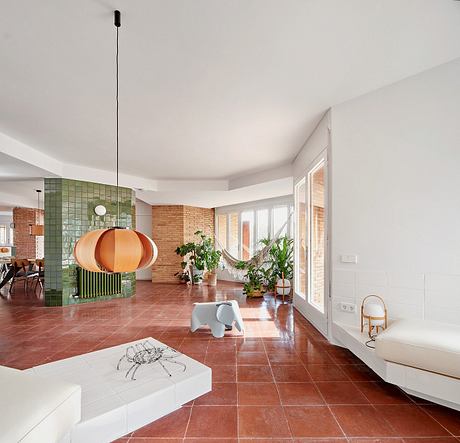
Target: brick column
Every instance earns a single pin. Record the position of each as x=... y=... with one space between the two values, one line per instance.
x=27 y=246
x=172 y=226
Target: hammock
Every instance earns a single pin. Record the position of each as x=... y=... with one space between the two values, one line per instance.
x=257 y=259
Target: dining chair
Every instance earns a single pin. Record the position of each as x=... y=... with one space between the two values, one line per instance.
x=23 y=271
x=40 y=277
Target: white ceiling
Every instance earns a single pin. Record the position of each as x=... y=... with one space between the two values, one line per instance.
x=20 y=193
x=210 y=89
x=13 y=169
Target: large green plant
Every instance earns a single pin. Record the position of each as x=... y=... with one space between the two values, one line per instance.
x=201 y=255
x=281 y=257
x=254 y=277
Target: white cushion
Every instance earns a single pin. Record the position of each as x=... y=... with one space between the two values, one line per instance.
x=36 y=409
x=422 y=344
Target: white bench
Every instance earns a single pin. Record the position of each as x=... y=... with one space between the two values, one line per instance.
x=36 y=409
x=423 y=358
x=421 y=344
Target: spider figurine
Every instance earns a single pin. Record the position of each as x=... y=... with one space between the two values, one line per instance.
x=146 y=353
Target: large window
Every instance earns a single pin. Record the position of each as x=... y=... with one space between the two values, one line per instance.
x=247 y=235
x=233 y=234
x=239 y=229
x=300 y=239
x=317 y=235
x=263 y=225
x=222 y=230
x=280 y=216
x=2 y=235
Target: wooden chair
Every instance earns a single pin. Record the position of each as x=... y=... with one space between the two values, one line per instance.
x=40 y=277
x=23 y=271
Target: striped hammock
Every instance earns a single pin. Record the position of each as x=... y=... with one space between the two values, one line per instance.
x=257 y=259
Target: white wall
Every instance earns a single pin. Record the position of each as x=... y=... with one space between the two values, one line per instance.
x=144 y=225
x=315 y=144
x=396 y=197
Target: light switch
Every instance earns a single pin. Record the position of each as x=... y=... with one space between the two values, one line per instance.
x=349 y=259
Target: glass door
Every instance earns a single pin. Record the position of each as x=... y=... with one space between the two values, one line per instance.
x=300 y=239
x=311 y=250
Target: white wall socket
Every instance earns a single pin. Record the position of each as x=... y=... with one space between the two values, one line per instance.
x=347 y=307
x=349 y=258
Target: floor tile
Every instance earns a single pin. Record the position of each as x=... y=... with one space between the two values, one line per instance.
x=326 y=373
x=299 y=394
x=254 y=374
x=223 y=373
x=154 y=440
x=213 y=421
x=448 y=418
x=341 y=393
x=252 y=358
x=172 y=425
x=360 y=373
x=262 y=421
x=222 y=394
x=381 y=393
x=257 y=394
x=221 y=358
x=290 y=374
x=283 y=357
x=411 y=421
x=312 y=421
x=362 y=421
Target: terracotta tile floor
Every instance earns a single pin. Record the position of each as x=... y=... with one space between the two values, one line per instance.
x=283 y=382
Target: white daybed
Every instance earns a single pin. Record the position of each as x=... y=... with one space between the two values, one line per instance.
x=421 y=344
x=34 y=409
x=421 y=357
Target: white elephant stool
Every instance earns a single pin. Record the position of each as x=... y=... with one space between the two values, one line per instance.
x=219 y=315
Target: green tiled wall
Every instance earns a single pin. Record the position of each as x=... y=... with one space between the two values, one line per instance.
x=69 y=213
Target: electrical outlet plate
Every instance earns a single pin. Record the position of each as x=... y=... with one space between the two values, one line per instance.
x=347 y=307
x=349 y=258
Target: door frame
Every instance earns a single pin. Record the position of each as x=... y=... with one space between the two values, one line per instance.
x=321 y=321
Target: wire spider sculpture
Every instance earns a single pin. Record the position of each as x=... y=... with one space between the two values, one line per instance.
x=146 y=353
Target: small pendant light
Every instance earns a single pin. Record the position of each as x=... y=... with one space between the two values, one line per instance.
x=37 y=229
x=115 y=249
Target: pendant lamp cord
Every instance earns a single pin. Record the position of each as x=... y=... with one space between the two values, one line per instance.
x=118 y=200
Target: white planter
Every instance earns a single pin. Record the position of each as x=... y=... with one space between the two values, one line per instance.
x=283 y=287
x=198 y=273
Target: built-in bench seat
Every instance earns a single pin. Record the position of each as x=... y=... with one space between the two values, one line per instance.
x=421 y=344
x=36 y=409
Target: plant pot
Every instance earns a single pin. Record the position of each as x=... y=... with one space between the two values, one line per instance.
x=283 y=287
x=197 y=273
x=255 y=294
x=212 y=278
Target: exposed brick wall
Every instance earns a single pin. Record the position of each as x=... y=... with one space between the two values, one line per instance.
x=27 y=246
x=198 y=219
x=172 y=226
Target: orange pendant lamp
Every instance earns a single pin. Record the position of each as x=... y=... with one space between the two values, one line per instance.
x=115 y=249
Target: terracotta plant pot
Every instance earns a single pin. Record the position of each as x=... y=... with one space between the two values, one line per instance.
x=212 y=278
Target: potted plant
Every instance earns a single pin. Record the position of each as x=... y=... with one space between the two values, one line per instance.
x=281 y=264
x=198 y=257
x=192 y=263
x=255 y=277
